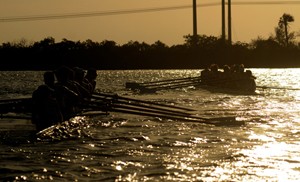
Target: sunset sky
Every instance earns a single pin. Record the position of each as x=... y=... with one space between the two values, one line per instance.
x=139 y=24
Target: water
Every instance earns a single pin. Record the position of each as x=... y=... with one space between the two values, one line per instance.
x=123 y=147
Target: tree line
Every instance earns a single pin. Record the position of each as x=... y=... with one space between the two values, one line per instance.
x=277 y=51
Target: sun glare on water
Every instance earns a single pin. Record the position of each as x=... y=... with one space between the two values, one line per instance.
x=275 y=141
x=275 y=157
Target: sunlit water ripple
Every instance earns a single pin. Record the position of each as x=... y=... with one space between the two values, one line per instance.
x=123 y=147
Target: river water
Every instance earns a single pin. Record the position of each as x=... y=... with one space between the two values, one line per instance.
x=124 y=147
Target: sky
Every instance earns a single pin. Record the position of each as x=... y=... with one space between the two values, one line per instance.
x=249 y=21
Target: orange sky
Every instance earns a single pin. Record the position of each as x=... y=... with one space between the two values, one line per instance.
x=248 y=21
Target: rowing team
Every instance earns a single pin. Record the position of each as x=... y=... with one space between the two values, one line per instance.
x=235 y=77
x=58 y=99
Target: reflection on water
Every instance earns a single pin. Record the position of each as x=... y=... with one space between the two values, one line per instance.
x=123 y=147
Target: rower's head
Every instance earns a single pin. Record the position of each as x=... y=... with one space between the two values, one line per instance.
x=79 y=73
x=43 y=92
x=63 y=74
x=214 y=68
x=241 y=68
x=226 y=68
x=49 y=78
x=91 y=74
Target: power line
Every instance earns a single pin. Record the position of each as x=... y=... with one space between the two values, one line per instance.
x=265 y=3
x=99 y=13
x=133 y=11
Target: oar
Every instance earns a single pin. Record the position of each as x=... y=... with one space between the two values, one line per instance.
x=172 y=114
x=140 y=106
x=161 y=108
x=143 y=108
x=174 y=86
x=169 y=80
x=162 y=84
x=15 y=105
x=165 y=82
x=117 y=97
x=15 y=100
x=214 y=121
x=156 y=111
x=192 y=80
x=283 y=88
x=163 y=105
x=184 y=82
x=15 y=117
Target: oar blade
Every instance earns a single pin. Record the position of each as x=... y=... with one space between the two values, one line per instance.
x=225 y=121
x=280 y=88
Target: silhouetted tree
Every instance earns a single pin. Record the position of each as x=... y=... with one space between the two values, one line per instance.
x=265 y=44
x=89 y=44
x=282 y=33
x=45 y=43
x=197 y=52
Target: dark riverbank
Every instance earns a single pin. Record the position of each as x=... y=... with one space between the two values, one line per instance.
x=108 y=55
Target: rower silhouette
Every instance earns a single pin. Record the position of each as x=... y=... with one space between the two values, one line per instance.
x=46 y=111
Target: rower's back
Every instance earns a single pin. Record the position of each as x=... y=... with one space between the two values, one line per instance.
x=46 y=111
x=67 y=94
x=91 y=76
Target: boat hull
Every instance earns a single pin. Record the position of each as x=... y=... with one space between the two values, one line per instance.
x=246 y=86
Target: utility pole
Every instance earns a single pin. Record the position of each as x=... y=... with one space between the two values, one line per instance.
x=194 y=18
x=223 y=21
x=229 y=22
